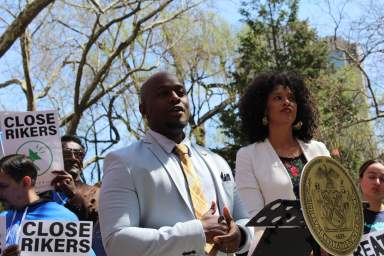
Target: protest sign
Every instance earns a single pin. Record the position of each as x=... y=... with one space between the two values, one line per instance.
x=3 y=233
x=371 y=244
x=55 y=238
x=36 y=135
x=1 y=145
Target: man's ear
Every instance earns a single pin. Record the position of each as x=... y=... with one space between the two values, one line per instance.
x=26 y=181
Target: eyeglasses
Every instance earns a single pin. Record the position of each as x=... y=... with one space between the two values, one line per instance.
x=68 y=152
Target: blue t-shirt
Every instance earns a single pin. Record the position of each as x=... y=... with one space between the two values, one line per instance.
x=40 y=210
x=58 y=197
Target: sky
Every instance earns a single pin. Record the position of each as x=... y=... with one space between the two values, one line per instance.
x=316 y=11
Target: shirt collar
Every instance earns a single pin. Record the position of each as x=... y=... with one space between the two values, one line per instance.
x=167 y=144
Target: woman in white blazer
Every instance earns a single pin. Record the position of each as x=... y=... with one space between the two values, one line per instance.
x=279 y=119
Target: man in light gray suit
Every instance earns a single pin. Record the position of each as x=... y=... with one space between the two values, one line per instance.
x=148 y=200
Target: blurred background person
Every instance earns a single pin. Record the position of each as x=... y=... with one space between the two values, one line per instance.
x=371 y=183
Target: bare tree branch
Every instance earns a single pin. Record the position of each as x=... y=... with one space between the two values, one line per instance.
x=103 y=72
x=92 y=160
x=217 y=109
x=24 y=45
x=366 y=120
x=9 y=82
x=18 y=26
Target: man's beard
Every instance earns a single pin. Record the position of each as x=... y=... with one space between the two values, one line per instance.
x=176 y=125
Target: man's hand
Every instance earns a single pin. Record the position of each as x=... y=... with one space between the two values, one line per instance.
x=212 y=225
x=229 y=242
x=63 y=182
x=12 y=250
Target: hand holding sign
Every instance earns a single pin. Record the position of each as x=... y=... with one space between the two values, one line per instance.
x=64 y=182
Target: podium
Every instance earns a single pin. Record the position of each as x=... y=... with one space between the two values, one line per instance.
x=285 y=230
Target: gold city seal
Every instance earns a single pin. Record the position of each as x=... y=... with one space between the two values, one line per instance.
x=331 y=206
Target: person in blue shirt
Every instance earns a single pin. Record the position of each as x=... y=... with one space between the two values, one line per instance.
x=17 y=191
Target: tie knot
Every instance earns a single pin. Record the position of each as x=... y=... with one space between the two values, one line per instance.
x=181 y=149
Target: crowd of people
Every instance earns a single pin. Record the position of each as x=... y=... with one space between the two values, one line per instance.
x=165 y=195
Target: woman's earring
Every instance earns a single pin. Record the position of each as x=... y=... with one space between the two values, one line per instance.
x=298 y=125
x=264 y=121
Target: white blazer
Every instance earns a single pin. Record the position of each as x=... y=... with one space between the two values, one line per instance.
x=143 y=211
x=261 y=177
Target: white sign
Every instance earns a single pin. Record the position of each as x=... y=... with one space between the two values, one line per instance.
x=371 y=244
x=36 y=135
x=3 y=233
x=55 y=238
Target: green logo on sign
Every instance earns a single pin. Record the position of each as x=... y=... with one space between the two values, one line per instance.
x=39 y=152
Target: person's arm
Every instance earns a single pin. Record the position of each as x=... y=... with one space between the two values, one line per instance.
x=241 y=217
x=119 y=214
x=247 y=183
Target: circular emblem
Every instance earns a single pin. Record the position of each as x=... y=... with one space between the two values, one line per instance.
x=39 y=153
x=331 y=206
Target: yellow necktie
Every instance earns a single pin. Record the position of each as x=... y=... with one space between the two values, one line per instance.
x=199 y=203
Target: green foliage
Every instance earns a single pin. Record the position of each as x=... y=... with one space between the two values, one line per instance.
x=275 y=40
x=341 y=101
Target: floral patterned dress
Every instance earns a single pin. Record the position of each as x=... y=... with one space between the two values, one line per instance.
x=294 y=167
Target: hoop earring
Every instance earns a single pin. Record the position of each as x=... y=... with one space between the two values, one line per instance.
x=264 y=121
x=298 y=125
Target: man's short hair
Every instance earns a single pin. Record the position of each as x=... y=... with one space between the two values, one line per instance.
x=18 y=166
x=72 y=138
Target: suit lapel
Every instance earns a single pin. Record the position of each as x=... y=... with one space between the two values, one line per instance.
x=306 y=150
x=277 y=165
x=215 y=173
x=170 y=167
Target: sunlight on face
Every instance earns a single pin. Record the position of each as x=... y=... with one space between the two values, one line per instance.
x=281 y=106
